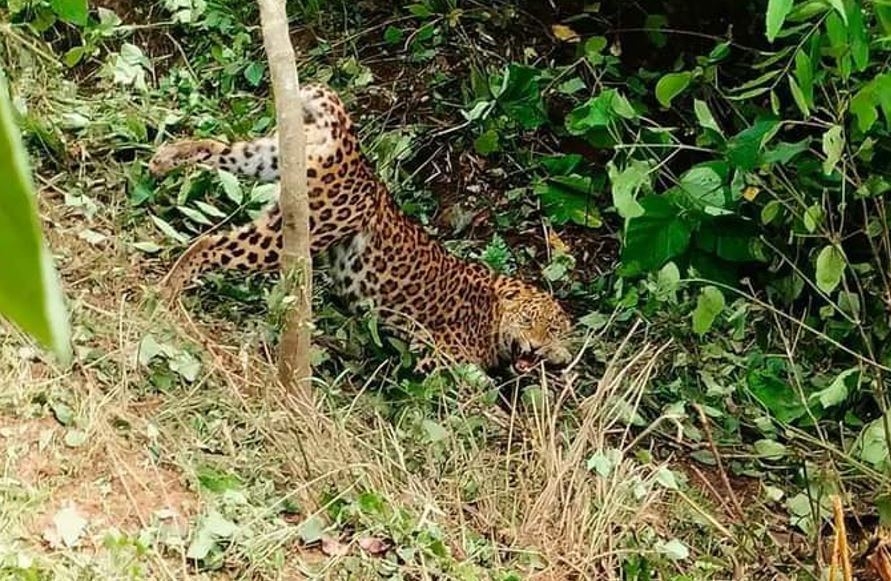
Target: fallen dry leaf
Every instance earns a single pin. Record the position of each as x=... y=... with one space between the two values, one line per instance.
x=564 y=33
x=334 y=548
x=557 y=243
x=879 y=558
x=67 y=528
x=374 y=545
x=750 y=193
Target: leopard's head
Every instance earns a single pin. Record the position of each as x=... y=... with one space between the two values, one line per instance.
x=532 y=327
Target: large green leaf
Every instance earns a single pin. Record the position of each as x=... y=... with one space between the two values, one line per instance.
x=570 y=198
x=777 y=10
x=598 y=112
x=670 y=86
x=655 y=237
x=766 y=381
x=29 y=289
x=73 y=11
x=744 y=149
x=830 y=268
x=730 y=239
x=709 y=305
x=626 y=184
x=520 y=97
x=703 y=187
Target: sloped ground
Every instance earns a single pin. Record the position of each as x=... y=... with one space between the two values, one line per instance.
x=168 y=451
x=107 y=475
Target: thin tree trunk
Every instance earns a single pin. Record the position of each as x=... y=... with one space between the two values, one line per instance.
x=294 y=349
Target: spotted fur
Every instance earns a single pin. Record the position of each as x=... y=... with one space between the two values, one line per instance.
x=380 y=256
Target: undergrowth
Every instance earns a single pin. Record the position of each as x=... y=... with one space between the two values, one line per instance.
x=703 y=186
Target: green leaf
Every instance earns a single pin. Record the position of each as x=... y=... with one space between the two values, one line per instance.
x=217 y=481
x=603 y=463
x=194 y=215
x=709 y=305
x=673 y=549
x=149 y=348
x=804 y=77
x=74 y=56
x=777 y=10
x=670 y=86
x=433 y=431
x=704 y=116
x=169 y=230
x=487 y=142
x=571 y=86
x=593 y=48
x=653 y=23
x=813 y=218
x=858 y=36
x=833 y=147
x=863 y=107
x=254 y=73
x=730 y=239
x=770 y=449
x=216 y=212
x=837 y=391
x=497 y=255
x=668 y=281
x=871 y=446
x=393 y=35
x=64 y=414
x=831 y=265
x=655 y=237
x=231 y=187
x=559 y=267
x=562 y=165
x=666 y=478
x=770 y=211
x=626 y=185
x=75 y=438
x=839 y=6
x=213 y=528
x=600 y=463
x=883 y=16
x=784 y=152
x=744 y=149
x=798 y=96
x=185 y=365
x=30 y=295
x=570 y=199
x=883 y=506
x=520 y=96
x=599 y=112
x=312 y=530
x=766 y=382
x=72 y=11
x=704 y=186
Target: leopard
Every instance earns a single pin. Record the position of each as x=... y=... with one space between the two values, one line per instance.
x=380 y=257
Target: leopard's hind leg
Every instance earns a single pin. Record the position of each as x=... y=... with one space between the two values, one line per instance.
x=253 y=247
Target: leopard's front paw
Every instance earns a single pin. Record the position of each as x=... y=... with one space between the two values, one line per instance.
x=170 y=156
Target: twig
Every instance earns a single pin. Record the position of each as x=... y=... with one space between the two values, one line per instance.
x=714 y=449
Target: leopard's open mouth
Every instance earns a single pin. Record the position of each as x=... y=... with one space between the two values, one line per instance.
x=523 y=361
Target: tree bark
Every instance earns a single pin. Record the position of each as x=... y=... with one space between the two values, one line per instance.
x=294 y=347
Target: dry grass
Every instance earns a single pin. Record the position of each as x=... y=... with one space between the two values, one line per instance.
x=520 y=496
